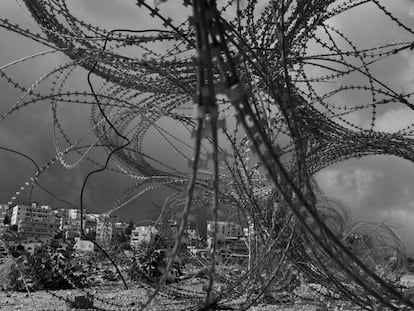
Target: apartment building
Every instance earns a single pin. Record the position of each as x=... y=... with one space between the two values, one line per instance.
x=74 y=213
x=143 y=234
x=70 y=223
x=37 y=222
x=225 y=230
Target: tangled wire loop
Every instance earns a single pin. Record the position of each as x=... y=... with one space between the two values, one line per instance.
x=263 y=124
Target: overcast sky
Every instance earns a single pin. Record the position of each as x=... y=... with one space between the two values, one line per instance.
x=376 y=188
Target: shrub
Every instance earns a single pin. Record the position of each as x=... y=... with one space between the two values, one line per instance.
x=45 y=271
x=150 y=261
x=146 y=264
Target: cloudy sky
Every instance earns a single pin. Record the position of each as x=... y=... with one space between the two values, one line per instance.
x=377 y=188
x=30 y=130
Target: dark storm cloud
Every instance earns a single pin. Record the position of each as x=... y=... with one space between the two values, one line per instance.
x=30 y=129
x=378 y=188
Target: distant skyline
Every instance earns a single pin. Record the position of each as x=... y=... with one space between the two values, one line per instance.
x=376 y=188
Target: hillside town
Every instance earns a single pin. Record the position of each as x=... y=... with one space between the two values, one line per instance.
x=31 y=226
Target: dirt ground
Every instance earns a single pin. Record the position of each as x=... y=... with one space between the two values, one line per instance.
x=116 y=299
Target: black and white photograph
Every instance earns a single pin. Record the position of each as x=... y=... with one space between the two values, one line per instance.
x=207 y=155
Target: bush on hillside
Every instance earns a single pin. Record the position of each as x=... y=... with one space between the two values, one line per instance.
x=43 y=270
x=150 y=261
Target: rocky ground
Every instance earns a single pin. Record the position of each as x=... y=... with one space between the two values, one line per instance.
x=114 y=297
x=117 y=299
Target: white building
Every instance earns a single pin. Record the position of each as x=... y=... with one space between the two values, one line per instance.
x=83 y=246
x=70 y=222
x=143 y=234
x=121 y=225
x=35 y=221
x=407 y=280
x=74 y=213
x=225 y=230
x=70 y=227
